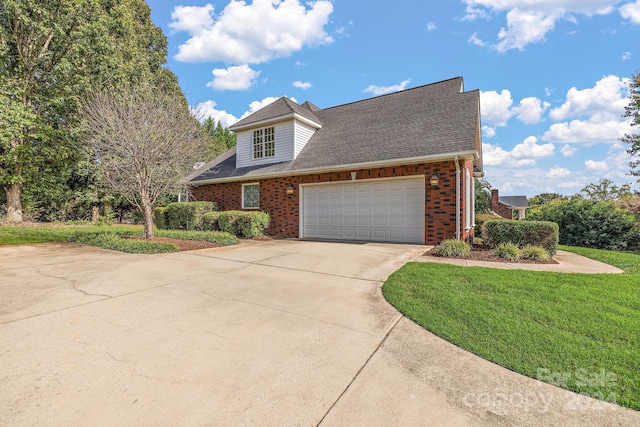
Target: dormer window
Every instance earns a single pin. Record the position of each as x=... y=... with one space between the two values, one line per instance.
x=264 y=143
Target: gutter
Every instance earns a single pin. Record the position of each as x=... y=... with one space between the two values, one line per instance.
x=457 y=198
x=286 y=173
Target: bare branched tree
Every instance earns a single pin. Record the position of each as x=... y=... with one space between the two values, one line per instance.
x=145 y=142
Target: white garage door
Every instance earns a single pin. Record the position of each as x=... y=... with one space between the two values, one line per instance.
x=377 y=210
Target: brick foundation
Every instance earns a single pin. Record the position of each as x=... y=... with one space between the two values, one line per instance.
x=440 y=203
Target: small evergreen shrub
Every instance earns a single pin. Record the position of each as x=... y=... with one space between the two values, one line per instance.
x=253 y=224
x=482 y=218
x=453 y=248
x=159 y=218
x=508 y=251
x=210 y=221
x=243 y=223
x=187 y=215
x=535 y=253
x=225 y=239
x=521 y=233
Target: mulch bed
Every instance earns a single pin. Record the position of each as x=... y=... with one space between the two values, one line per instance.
x=482 y=253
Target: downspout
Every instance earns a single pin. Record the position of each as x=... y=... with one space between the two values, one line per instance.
x=457 y=198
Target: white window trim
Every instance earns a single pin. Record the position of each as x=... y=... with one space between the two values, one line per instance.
x=263 y=143
x=468 y=217
x=251 y=207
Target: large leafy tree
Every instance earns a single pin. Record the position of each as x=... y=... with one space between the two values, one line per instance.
x=52 y=53
x=633 y=111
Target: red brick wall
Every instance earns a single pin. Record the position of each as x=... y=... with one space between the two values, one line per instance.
x=498 y=207
x=440 y=203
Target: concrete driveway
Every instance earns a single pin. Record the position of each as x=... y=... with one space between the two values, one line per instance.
x=264 y=333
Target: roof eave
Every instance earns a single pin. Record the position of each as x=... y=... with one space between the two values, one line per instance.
x=463 y=155
x=296 y=116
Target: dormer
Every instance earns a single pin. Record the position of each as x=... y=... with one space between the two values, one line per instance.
x=276 y=133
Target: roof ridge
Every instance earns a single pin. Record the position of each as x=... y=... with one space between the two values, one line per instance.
x=395 y=93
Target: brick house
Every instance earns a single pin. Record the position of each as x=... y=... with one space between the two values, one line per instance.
x=505 y=206
x=393 y=168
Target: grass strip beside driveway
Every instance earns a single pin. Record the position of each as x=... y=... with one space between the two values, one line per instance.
x=577 y=331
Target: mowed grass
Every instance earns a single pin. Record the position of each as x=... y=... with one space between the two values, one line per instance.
x=577 y=331
x=107 y=237
x=20 y=235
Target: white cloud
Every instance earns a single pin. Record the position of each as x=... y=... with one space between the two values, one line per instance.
x=382 y=90
x=572 y=184
x=558 y=172
x=568 y=151
x=192 y=19
x=530 y=110
x=522 y=155
x=493 y=155
x=587 y=132
x=594 y=166
x=529 y=21
x=626 y=56
x=606 y=100
x=530 y=149
x=488 y=131
x=251 y=33
x=496 y=107
x=475 y=40
x=240 y=77
x=631 y=11
x=301 y=85
x=207 y=109
x=431 y=26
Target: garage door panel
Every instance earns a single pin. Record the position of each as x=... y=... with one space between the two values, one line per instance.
x=381 y=210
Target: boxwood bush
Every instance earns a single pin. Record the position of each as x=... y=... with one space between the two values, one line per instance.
x=187 y=215
x=210 y=221
x=159 y=218
x=243 y=223
x=521 y=233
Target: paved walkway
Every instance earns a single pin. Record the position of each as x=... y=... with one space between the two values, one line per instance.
x=264 y=333
x=568 y=262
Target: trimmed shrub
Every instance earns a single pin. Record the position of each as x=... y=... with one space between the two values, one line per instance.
x=225 y=239
x=482 y=218
x=210 y=221
x=160 y=218
x=453 y=248
x=521 y=233
x=253 y=224
x=508 y=251
x=243 y=223
x=187 y=215
x=535 y=253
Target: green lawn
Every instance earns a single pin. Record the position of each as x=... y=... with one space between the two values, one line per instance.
x=106 y=237
x=577 y=331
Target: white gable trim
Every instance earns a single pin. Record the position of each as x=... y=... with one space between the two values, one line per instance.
x=271 y=120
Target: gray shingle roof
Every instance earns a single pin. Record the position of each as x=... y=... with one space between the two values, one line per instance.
x=431 y=120
x=282 y=107
x=514 y=201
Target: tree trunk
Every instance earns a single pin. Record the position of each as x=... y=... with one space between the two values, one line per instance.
x=95 y=214
x=147 y=214
x=14 y=203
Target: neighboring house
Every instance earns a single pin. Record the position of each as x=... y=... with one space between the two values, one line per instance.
x=394 y=168
x=505 y=205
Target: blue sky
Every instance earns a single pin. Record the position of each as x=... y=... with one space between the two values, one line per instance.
x=551 y=73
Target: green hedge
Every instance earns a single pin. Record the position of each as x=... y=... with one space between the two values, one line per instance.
x=522 y=233
x=160 y=218
x=210 y=221
x=187 y=215
x=242 y=223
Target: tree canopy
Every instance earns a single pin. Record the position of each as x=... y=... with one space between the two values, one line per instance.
x=52 y=54
x=633 y=111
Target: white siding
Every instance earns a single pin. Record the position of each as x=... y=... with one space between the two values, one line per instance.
x=303 y=133
x=284 y=146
